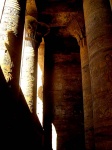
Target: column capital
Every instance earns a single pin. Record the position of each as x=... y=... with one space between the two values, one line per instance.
x=35 y=30
x=82 y=41
x=76 y=28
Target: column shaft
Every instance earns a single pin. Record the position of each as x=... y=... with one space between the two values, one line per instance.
x=11 y=33
x=111 y=4
x=28 y=79
x=29 y=72
x=87 y=98
x=40 y=79
x=98 y=23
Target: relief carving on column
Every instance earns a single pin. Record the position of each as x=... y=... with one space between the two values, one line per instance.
x=9 y=21
x=8 y=26
x=34 y=31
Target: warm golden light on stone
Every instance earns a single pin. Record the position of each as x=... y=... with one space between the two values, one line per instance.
x=27 y=75
x=39 y=107
x=40 y=77
x=9 y=21
x=1 y=8
x=54 y=138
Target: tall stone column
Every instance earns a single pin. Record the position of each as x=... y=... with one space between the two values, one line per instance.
x=111 y=3
x=40 y=83
x=87 y=98
x=11 y=33
x=28 y=80
x=2 y=3
x=98 y=23
x=77 y=30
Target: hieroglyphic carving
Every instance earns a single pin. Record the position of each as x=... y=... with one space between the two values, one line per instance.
x=10 y=16
x=9 y=23
x=33 y=36
x=27 y=75
x=7 y=66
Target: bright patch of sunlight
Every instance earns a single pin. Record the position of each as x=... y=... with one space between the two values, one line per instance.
x=1 y=7
x=54 y=138
x=39 y=106
x=5 y=59
x=40 y=81
x=6 y=64
x=22 y=82
x=27 y=73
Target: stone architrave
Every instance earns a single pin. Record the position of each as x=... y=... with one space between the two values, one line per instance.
x=11 y=35
x=98 y=24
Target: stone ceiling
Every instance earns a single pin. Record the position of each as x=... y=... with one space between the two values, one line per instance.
x=64 y=17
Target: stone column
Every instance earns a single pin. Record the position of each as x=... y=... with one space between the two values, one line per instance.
x=77 y=30
x=2 y=3
x=28 y=79
x=40 y=79
x=111 y=3
x=11 y=33
x=98 y=23
x=87 y=98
